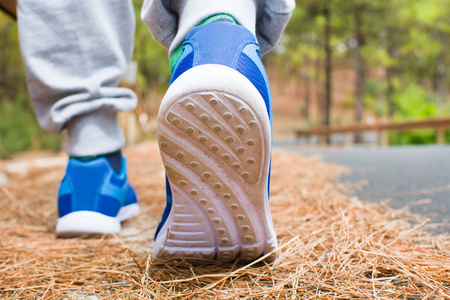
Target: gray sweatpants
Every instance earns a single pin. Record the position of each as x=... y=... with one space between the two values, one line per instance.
x=75 y=52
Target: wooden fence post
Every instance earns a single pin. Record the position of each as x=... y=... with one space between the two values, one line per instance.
x=440 y=136
x=383 y=138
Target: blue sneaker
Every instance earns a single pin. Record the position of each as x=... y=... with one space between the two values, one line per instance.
x=93 y=199
x=214 y=134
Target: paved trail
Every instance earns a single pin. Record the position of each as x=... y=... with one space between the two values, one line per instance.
x=416 y=178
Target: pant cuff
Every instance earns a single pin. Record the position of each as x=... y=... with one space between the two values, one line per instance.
x=94 y=133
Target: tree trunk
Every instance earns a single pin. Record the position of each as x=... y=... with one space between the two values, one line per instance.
x=381 y=77
x=390 y=73
x=440 y=77
x=328 y=67
x=390 y=91
x=319 y=89
x=307 y=89
x=380 y=95
x=359 y=70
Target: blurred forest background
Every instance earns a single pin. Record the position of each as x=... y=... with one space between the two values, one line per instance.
x=338 y=62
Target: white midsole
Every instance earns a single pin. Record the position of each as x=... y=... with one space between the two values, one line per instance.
x=127 y=212
x=87 y=222
x=90 y=222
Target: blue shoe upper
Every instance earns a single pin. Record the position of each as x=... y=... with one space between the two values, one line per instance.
x=94 y=186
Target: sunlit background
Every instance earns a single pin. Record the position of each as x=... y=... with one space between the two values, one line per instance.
x=338 y=62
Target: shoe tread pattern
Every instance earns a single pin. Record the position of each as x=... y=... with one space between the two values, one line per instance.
x=212 y=147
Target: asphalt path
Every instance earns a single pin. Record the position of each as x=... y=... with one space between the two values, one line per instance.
x=411 y=178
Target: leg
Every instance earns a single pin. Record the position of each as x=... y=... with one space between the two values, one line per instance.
x=74 y=54
x=214 y=133
x=170 y=21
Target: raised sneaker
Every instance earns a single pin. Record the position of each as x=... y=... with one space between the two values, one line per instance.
x=214 y=133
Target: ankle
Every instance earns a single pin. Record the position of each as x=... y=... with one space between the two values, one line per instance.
x=113 y=158
x=94 y=133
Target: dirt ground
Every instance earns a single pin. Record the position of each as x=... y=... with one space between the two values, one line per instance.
x=332 y=246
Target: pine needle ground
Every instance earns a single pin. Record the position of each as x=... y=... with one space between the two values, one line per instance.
x=332 y=245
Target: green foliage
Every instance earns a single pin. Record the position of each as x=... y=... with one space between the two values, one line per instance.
x=12 y=74
x=417 y=137
x=19 y=130
x=414 y=102
x=152 y=58
x=349 y=102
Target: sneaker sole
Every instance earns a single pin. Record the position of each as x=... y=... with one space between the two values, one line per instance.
x=87 y=223
x=127 y=212
x=215 y=141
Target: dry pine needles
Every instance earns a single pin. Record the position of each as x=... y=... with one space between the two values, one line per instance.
x=332 y=246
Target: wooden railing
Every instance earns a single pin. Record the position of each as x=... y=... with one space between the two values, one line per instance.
x=383 y=128
x=9 y=6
